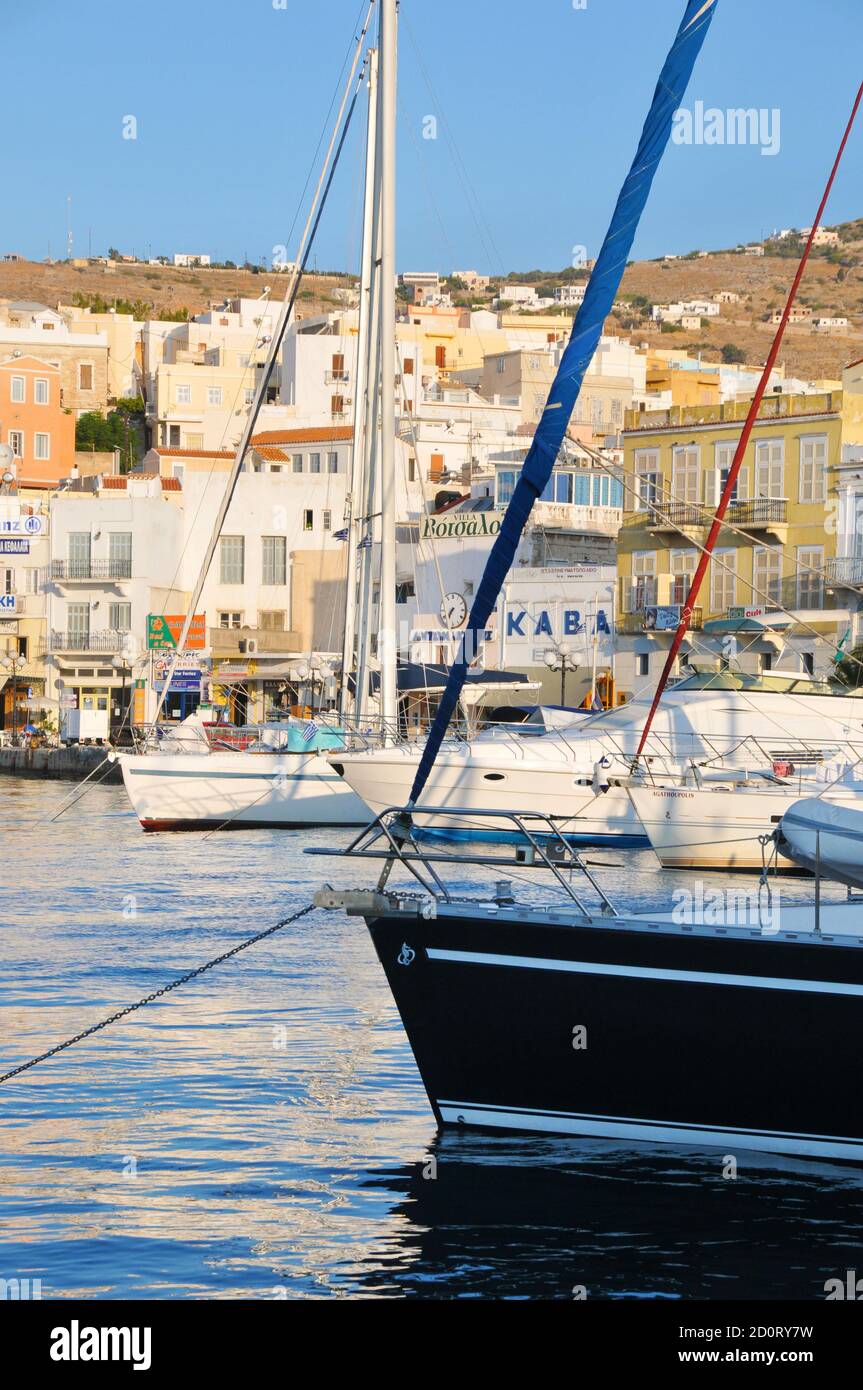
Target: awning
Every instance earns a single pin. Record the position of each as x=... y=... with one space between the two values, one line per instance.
x=718 y=627
x=413 y=676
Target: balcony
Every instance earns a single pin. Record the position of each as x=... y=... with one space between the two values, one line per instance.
x=845 y=571
x=334 y=378
x=249 y=642
x=644 y=622
x=107 y=640
x=761 y=514
x=677 y=515
x=78 y=571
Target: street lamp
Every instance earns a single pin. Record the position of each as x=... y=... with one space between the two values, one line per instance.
x=560 y=658
x=12 y=664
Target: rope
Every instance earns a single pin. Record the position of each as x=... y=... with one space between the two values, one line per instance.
x=157 y=994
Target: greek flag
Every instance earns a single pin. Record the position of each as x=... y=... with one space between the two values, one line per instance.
x=309 y=731
x=341 y=535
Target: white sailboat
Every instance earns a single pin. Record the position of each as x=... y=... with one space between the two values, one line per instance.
x=706 y=727
x=283 y=779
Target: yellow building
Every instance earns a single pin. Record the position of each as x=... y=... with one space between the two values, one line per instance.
x=775 y=555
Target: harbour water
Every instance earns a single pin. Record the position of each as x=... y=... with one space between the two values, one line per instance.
x=262 y=1132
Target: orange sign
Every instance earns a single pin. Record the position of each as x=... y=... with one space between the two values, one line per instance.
x=165 y=631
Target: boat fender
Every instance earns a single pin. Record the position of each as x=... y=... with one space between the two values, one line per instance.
x=600 y=776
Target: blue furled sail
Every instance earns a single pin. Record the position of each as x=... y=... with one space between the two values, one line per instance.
x=598 y=300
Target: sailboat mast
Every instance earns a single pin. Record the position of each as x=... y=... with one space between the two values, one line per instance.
x=361 y=378
x=387 y=638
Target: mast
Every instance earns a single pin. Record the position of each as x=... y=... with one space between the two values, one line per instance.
x=358 y=456
x=387 y=637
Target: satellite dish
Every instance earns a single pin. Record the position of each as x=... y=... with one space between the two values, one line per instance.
x=7 y=457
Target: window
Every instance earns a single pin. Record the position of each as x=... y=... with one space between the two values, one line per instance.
x=79 y=554
x=436 y=465
x=314 y=463
x=596 y=412
x=43 y=446
x=682 y=565
x=120 y=554
x=183 y=395
x=194 y=441
x=723 y=581
x=85 y=376
x=297 y=463
x=214 y=395
x=120 y=617
x=808 y=663
x=769 y=468
x=648 y=479
x=642 y=664
x=440 y=356
x=644 y=579
x=327 y=521
x=308 y=520
x=228 y=620
x=174 y=436
x=412 y=470
x=405 y=590
x=501 y=366
x=40 y=390
x=505 y=487
x=716 y=478
x=332 y=463
x=813 y=468
x=179 y=472
x=274 y=559
x=271 y=620
x=232 y=560
x=766 y=574
x=337 y=405
x=16 y=443
x=78 y=625
x=409 y=366
x=684 y=474
x=810 y=576
x=18 y=390
x=248 y=395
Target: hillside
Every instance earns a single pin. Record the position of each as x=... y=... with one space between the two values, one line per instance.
x=833 y=285
x=163 y=288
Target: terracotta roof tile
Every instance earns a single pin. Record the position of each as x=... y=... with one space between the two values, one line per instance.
x=324 y=433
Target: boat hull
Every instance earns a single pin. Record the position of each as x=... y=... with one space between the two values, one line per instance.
x=715 y=829
x=701 y=1039
x=469 y=784
x=238 y=790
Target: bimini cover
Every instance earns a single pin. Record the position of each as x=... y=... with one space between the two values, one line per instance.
x=824 y=837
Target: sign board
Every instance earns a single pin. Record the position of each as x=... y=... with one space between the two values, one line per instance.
x=164 y=630
x=14 y=545
x=184 y=680
x=461 y=526
x=22 y=525
x=662 y=619
x=741 y=612
x=8 y=604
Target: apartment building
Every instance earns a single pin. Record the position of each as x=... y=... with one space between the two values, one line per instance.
x=24 y=548
x=33 y=421
x=616 y=376
x=775 y=553
x=30 y=328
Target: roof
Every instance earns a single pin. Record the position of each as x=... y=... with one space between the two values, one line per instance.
x=118 y=481
x=31 y=306
x=325 y=433
x=193 y=453
x=271 y=453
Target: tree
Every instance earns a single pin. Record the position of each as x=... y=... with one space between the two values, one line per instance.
x=732 y=354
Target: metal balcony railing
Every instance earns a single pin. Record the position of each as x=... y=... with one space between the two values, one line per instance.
x=106 y=640
x=673 y=514
x=844 y=569
x=759 y=511
x=332 y=377
x=91 y=569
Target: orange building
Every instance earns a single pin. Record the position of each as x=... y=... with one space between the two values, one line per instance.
x=34 y=423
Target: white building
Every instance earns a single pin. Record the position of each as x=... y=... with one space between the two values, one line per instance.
x=185 y=260
x=570 y=294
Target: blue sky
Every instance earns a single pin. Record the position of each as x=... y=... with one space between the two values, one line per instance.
x=543 y=103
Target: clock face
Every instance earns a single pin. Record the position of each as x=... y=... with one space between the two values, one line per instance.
x=453 y=610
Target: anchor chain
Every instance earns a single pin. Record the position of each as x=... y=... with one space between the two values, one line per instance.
x=157 y=994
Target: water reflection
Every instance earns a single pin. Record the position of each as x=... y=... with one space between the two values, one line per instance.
x=263 y=1132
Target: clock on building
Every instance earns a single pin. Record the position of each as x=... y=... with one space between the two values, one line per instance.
x=453 y=610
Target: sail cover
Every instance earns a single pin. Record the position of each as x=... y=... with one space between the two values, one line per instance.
x=598 y=300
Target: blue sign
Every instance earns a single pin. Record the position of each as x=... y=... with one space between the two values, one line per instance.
x=8 y=602
x=14 y=547
x=183 y=682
